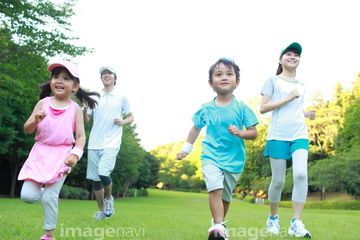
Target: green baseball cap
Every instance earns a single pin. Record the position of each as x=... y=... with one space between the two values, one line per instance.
x=295 y=45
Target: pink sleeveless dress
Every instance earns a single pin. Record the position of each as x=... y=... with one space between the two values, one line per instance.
x=54 y=139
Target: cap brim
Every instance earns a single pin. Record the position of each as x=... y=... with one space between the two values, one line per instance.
x=69 y=66
x=295 y=45
x=107 y=68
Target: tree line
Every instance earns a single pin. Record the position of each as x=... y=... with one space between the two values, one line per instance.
x=30 y=33
x=334 y=160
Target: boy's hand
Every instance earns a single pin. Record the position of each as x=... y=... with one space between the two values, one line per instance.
x=86 y=105
x=234 y=130
x=118 y=122
x=71 y=160
x=181 y=155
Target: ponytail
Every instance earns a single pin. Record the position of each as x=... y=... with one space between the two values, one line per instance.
x=279 y=70
x=45 y=90
x=84 y=96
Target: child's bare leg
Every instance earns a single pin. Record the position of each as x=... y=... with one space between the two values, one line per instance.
x=216 y=205
x=226 y=207
x=49 y=233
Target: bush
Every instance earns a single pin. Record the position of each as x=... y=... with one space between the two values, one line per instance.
x=238 y=196
x=68 y=192
x=353 y=205
x=250 y=199
x=266 y=201
x=139 y=192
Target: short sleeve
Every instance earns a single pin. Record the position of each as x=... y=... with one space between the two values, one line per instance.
x=268 y=87
x=126 y=106
x=198 y=119
x=249 y=117
x=97 y=99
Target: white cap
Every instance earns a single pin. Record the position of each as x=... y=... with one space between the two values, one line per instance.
x=107 y=68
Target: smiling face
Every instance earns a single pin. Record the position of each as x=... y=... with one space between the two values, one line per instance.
x=62 y=84
x=108 y=78
x=290 y=60
x=224 y=79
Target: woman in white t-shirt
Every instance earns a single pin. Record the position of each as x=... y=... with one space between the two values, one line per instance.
x=287 y=138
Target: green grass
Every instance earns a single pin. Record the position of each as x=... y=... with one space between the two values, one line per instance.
x=166 y=215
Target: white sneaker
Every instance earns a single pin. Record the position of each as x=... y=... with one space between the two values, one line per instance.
x=218 y=231
x=297 y=228
x=100 y=215
x=273 y=225
x=212 y=222
x=109 y=207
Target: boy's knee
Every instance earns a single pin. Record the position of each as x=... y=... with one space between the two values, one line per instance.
x=105 y=180
x=97 y=185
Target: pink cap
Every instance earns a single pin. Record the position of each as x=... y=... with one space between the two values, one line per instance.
x=68 y=65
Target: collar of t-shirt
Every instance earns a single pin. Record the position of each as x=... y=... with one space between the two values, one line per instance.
x=57 y=111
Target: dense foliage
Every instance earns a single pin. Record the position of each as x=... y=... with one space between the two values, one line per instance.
x=30 y=33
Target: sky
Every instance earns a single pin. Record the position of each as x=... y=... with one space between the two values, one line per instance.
x=162 y=51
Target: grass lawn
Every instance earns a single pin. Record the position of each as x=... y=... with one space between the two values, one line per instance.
x=166 y=215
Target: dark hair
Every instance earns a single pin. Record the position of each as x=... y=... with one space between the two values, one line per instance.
x=81 y=94
x=280 y=69
x=229 y=63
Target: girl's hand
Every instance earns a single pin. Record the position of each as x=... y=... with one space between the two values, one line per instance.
x=71 y=160
x=293 y=94
x=118 y=122
x=234 y=130
x=311 y=114
x=40 y=115
x=181 y=155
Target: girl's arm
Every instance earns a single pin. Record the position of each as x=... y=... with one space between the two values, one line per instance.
x=193 y=134
x=267 y=106
x=310 y=114
x=80 y=137
x=35 y=118
x=249 y=134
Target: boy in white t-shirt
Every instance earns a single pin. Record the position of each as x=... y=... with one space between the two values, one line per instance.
x=105 y=140
x=287 y=138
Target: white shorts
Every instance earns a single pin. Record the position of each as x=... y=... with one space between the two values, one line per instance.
x=101 y=162
x=216 y=178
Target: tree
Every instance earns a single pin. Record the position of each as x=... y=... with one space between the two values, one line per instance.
x=39 y=27
x=323 y=129
x=30 y=31
x=129 y=160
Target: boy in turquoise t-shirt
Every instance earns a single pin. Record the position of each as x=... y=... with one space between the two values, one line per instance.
x=223 y=148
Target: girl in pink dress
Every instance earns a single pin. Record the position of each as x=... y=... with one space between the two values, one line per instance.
x=55 y=118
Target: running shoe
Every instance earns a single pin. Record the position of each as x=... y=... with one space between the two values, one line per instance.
x=273 y=225
x=297 y=228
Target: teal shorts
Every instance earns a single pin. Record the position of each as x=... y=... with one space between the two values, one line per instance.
x=284 y=149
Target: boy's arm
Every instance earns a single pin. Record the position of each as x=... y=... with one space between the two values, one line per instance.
x=193 y=134
x=85 y=115
x=249 y=134
x=129 y=119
